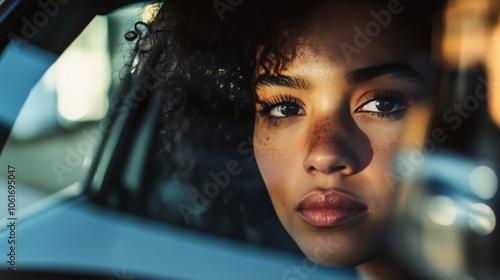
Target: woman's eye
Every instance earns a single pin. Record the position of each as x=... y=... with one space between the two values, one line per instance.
x=286 y=110
x=281 y=109
x=382 y=106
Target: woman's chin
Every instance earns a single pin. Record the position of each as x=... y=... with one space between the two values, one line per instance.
x=343 y=261
x=353 y=243
x=330 y=252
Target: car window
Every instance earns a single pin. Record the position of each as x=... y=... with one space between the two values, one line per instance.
x=49 y=114
x=56 y=119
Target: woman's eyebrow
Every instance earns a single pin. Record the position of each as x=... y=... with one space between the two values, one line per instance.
x=393 y=70
x=295 y=82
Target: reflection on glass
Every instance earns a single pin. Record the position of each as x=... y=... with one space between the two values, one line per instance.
x=442 y=210
x=53 y=139
x=484 y=182
x=482 y=219
x=83 y=76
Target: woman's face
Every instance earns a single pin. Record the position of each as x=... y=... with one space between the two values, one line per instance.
x=326 y=129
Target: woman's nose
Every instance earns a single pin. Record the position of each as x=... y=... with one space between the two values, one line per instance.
x=326 y=162
x=330 y=151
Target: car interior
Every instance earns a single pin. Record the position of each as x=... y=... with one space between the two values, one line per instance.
x=98 y=172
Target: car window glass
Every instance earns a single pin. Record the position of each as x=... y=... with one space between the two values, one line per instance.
x=49 y=105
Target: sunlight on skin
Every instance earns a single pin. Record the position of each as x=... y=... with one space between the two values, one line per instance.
x=325 y=134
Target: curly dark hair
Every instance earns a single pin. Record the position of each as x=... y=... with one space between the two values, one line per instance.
x=203 y=58
x=206 y=66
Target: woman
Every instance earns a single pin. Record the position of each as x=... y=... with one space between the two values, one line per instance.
x=325 y=86
x=326 y=128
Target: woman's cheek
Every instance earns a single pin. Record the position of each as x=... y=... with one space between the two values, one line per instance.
x=265 y=153
x=384 y=174
x=268 y=159
x=275 y=160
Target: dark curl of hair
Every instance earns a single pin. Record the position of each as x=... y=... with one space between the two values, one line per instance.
x=205 y=66
x=205 y=69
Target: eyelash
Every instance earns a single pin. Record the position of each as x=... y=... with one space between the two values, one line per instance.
x=388 y=95
x=279 y=100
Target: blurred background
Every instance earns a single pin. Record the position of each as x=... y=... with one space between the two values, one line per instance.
x=55 y=136
x=447 y=215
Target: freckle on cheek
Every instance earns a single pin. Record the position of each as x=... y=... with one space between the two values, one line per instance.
x=320 y=133
x=267 y=152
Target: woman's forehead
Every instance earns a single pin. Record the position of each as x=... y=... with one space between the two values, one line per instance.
x=345 y=32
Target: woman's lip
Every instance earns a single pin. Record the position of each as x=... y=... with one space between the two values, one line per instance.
x=330 y=209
